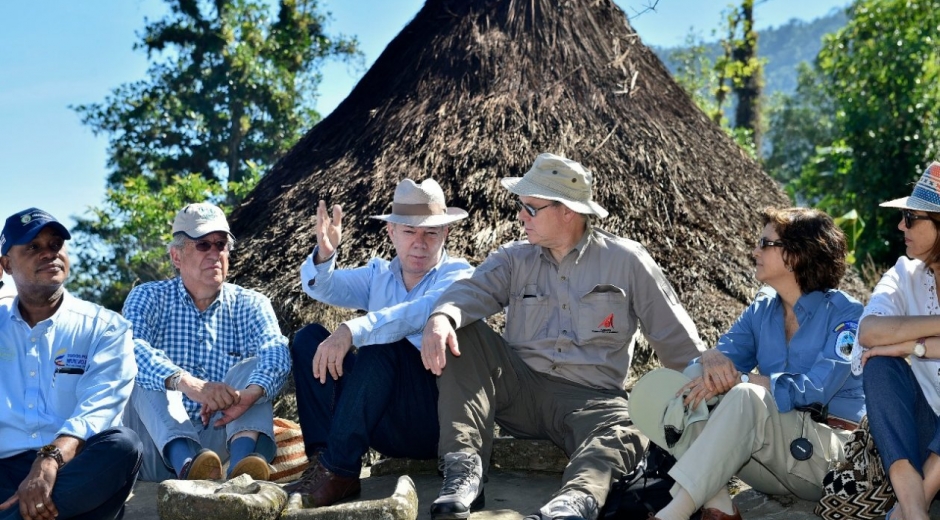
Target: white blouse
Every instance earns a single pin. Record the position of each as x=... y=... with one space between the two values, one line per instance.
x=910 y=289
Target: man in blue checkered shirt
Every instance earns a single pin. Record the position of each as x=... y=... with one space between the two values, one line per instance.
x=210 y=358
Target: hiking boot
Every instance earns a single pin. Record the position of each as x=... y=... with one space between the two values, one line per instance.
x=252 y=465
x=206 y=465
x=570 y=505
x=462 y=491
x=321 y=487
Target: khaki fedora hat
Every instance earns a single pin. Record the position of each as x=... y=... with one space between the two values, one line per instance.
x=553 y=177
x=650 y=398
x=421 y=205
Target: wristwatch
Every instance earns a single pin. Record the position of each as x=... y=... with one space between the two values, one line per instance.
x=920 y=347
x=51 y=451
x=745 y=378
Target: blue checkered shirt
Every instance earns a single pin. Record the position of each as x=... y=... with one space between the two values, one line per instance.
x=171 y=334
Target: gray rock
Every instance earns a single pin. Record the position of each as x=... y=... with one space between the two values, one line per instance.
x=527 y=455
x=241 y=498
x=402 y=505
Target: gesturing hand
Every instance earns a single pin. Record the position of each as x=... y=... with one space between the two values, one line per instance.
x=329 y=231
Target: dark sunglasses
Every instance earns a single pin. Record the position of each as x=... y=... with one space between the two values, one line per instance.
x=532 y=210
x=765 y=242
x=204 y=245
x=910 y=217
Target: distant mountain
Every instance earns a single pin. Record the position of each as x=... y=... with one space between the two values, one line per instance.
x=783 y=48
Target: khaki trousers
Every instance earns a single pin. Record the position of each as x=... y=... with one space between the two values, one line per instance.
x=745 y=435
x=489 y=383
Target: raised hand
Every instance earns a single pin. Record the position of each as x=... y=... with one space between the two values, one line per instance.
x=329 y=231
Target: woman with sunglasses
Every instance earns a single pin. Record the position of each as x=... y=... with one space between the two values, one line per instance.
x=901 y=323
x=777 y=429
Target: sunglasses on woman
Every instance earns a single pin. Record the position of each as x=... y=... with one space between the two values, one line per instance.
x=910 y=217
x=204 y=245
x=765 y=242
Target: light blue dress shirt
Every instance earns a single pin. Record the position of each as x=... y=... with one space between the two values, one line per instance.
x=171 y=334
x=70 y=374
x=393 y=312
x=815 y=366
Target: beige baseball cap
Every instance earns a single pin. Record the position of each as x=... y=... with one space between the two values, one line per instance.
x=199 y=219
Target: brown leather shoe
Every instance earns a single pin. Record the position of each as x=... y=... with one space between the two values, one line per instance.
x=320 y=487
x=716 y=514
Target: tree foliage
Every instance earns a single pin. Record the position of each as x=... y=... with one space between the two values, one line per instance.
x=230 y=89
x=236 y=85
x=880 y=91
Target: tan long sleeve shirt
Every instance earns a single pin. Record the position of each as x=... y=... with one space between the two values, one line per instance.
x=578 y=318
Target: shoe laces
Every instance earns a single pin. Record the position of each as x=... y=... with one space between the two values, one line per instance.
x=458 y=475
x=571 y=504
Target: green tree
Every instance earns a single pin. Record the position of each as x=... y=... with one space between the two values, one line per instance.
x=236 y=85
x=230 y=89
x=882 y=75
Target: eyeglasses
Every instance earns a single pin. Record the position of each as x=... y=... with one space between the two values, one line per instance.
x=204 y=245
x=765 y=242
x=532 y=210
x=910 y=217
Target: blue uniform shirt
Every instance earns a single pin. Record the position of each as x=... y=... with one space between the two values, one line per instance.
x=70 y=374
x=815 y=367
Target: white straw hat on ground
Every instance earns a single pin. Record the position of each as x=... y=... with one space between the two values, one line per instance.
x=926 y=195
x=421 y=205
x=553 y=177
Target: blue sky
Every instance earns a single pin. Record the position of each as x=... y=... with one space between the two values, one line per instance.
x=57 y=53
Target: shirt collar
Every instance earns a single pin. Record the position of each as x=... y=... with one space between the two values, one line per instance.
x=808 y=303
x=187 y=298
x=66 y=303
x=586 y=239
x=395 y=267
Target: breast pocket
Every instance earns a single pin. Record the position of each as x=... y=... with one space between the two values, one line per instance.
x=602 y=316
x=528 y=315
x=63 y=397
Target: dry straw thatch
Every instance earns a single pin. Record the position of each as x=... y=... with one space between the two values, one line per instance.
x=471 y=91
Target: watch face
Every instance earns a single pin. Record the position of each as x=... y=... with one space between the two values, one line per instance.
x=920 y=350
x=745 y=378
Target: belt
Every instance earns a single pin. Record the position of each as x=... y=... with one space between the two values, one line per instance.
x=842 y=424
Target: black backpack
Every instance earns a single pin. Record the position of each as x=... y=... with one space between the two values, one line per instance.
x=643 y=491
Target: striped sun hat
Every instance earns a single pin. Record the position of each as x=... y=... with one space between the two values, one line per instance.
x=926 y=196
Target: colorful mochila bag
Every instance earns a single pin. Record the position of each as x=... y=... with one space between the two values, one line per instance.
x=858 y=487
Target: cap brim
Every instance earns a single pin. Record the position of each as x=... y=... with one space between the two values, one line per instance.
x=28 y=237
x=520 y=186
x=649 y=399
x=200 y=233
x=913 y=203
x=452 y=215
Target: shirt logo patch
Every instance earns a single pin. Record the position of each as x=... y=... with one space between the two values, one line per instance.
x=69 y=362
x=606 y=326
x=844 y=345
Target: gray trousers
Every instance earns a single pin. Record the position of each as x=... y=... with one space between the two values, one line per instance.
x=159 y=417
x=490 y=384
x=745 y=435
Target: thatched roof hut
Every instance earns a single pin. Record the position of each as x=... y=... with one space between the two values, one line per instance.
x=471 y=91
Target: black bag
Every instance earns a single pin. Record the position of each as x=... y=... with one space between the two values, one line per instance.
x=643 y=491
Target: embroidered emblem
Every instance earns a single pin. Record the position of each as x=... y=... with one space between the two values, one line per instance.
x=25 y=219
x=844 y=344
x=606 y=326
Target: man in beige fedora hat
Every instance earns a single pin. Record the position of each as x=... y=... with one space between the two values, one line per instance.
x=364 y=385
x=575 y=296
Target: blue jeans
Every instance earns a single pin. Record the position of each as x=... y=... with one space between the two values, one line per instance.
x=92 y=486
x=385 y=400
x=901 y=420
x=158 y=417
